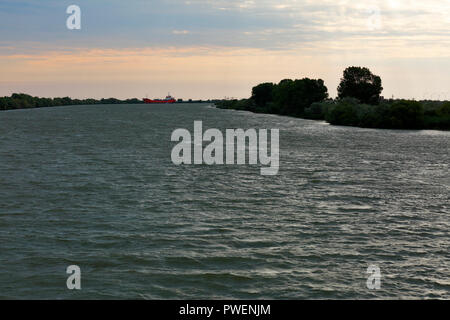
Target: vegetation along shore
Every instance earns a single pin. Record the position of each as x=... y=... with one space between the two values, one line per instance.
x=25 y=101
x=358 y=104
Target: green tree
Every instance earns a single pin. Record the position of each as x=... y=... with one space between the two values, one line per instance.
x=283 y=96
x=360 y=83
x=263 y=94
x=293 y=97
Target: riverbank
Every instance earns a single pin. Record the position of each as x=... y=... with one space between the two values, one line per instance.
x=25 y=101
x=389 y=114
x=358 y=104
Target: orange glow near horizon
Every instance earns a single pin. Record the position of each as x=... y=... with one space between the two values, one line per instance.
x=198 y=73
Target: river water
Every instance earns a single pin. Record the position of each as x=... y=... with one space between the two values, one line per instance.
x=95 y=186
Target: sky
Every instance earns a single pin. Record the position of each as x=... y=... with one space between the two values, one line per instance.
x=203 y=49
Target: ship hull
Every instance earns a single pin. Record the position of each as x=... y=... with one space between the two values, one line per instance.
x=157 y=101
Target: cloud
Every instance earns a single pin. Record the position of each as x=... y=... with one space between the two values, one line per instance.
x=263 y=40
x=180 y=32
x=264 y=24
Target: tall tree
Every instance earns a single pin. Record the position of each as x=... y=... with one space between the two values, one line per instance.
x=294 y=96
x=360 y=83
x=262 y=94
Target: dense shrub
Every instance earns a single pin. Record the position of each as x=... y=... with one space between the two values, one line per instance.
x=405 y=114
x=344 y=112
x=400 y=114
x=318 y=110
x=444 y=109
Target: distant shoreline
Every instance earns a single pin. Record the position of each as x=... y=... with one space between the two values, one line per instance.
x=390 y=114
x=24 y=101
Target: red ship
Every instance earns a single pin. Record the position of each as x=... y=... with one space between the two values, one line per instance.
x=168 y=99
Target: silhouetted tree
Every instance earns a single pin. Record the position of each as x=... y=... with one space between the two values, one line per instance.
x=361 y=84
x=293 y=97
x=263 y=94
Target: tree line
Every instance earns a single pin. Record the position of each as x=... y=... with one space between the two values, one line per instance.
x=24 y=101
x=359 y=103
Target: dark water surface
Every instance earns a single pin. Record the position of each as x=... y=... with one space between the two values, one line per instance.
x=94 y=186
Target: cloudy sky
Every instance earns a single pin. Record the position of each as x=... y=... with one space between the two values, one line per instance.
x=216 y=48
